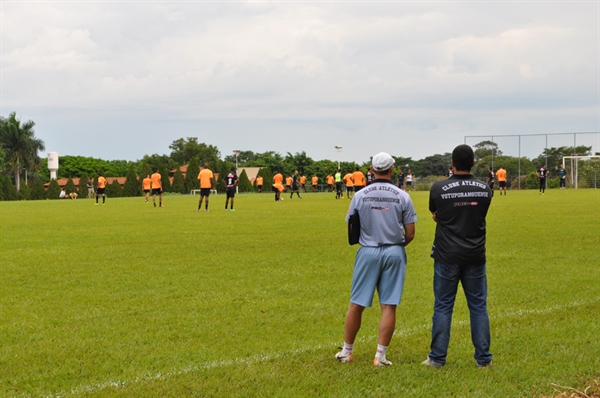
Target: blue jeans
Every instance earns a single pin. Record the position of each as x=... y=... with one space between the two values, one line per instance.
x=445 y=284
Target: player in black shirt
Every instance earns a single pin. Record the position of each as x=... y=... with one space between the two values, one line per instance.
x=542 y=174
x=459 y=206
x=231 y=181
x=490 y=180
x=400 y=179
x=295 y=185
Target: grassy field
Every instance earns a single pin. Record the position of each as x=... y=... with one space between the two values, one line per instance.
x=129 y=300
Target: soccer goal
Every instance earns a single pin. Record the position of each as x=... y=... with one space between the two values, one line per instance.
x=582 y=171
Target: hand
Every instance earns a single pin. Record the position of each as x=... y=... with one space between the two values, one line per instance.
x=434 y=216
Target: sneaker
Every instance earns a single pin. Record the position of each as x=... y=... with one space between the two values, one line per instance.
x=433 y=364
x=232 y=210
x=343 y=357
x=161 y=206
x=485 y=365
x=381 y=362
x=207 y=210
x=95 y=204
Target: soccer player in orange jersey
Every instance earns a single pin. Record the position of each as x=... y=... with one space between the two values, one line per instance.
x=156 y=187
x=329 y=182
x=101 y=181
x=146 y=186
x=349 y=184
x=259 y=184
x=359 y=179
x=501 y=177
x=207 y=183
x=314 y=181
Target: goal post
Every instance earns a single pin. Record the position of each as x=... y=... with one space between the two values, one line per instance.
x=582 y=170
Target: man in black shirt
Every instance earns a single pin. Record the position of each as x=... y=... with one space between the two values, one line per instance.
x=231 y=182
x=459 y=206
x=542 y=174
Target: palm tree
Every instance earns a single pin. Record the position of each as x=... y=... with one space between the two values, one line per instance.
x=20 y=145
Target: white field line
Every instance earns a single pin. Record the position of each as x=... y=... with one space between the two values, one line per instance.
x=276 y=355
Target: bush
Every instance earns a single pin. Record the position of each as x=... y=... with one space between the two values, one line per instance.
x=82 y=187
x=24 y=192
x=37 y=191
x=532 y=181
x=244 y=184
x=178 y=182
x=132 y=186
x=114 y=190
x=53 y=191
x=70 y=186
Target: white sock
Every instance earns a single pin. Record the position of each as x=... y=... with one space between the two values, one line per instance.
x=380 y=351
x=347 y=348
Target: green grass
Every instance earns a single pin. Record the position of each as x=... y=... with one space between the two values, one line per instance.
x=129 y=300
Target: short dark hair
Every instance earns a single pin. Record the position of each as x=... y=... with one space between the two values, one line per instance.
x=463 y=157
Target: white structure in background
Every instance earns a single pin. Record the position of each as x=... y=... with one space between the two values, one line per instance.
x=53 y=164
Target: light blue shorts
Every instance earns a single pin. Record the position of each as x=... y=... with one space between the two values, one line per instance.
x=382 y=268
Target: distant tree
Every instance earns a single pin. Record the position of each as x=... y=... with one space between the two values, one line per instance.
x=37 y=191
x=70 y=186
x=154 y=161
x=9 y=189
x=270 y=159
x=132 y=186
x=191 y=176
x=486 y=148
x=145 y=170
x=242 y=158
x=164 y=178
x=184 y=150
x=2 y=159
x=53 y=190
x=555 y=155
x=244 y=184
x=24 y=192
x=178 y=182
x=82 y=186
x=20 y=146
x=114 y=189
x=321 y=168
x=299 y=161
x=435 y=165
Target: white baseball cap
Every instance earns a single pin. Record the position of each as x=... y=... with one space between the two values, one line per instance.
x=382 y=161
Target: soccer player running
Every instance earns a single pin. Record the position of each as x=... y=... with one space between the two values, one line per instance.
x=207 y=183
x=387 y=218
x=459 y=206
x=231 y=181
x=501 y=177
x=295 y=185
x=101 y=181
x=146 y=186
x=156 y=187
x=542 y=174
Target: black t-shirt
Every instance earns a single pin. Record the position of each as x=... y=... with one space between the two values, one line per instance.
x=400 y=178
x=462 y=204
x=231 y=179
x=543 y=172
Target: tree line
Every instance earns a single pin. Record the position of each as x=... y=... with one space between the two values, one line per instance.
x=19 y=157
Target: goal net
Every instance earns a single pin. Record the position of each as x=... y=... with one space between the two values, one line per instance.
x=582 y=171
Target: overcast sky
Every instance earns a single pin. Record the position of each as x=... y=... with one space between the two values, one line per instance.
x=118 y=80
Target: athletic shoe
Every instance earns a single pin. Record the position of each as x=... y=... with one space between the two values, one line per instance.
x=485 y=365
x=232 y=210
x=207 y=210
x=95 y=204
x=433 y=364
x=161 y=206
x=381 y=362
x=343 y=357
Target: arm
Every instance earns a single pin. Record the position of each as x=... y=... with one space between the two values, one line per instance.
x=409 y=233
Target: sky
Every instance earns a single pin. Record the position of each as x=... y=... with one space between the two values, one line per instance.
x=119 y=80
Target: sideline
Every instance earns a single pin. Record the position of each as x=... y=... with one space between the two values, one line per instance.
x=268 y=357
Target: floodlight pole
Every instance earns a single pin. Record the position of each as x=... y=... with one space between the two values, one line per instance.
x=339 y=149
x=236 y=152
